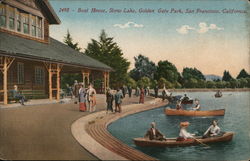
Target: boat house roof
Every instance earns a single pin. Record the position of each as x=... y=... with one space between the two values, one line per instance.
x=54 y=51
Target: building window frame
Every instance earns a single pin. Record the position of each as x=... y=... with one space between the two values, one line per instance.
x=3 y=16
x=21 y=22
x=20 y=73
x=39 y=75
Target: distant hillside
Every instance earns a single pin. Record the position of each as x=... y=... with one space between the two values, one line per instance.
x=212 y=77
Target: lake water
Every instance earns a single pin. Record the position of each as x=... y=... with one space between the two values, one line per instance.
x=236 y=119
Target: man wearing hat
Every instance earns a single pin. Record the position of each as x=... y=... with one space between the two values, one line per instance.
x=184 y=135
x=154 y=134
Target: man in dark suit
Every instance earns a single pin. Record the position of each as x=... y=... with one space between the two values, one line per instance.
x=154 y=134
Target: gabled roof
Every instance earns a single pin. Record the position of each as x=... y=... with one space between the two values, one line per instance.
x=55 y=51
x=48 y=11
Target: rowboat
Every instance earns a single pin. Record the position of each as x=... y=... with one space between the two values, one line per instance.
x=218 y=95
x=171 y=142
x=219 y=112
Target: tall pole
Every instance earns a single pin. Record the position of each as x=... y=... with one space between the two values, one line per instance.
x=5 y=86
x=50 y=82
x=58 y=82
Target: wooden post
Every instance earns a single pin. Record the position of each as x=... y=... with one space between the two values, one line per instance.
x=58 y=82
x=105 y=82
x=5 y=63
x=5 y=86
x=88 y=78
x=108 y=79
x=85 y=74
x=50 y=82
x=83 y=79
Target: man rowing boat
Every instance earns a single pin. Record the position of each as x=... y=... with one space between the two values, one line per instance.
x=213 y=130
x=154 y=134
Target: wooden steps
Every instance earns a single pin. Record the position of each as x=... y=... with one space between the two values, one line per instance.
x=97 y=129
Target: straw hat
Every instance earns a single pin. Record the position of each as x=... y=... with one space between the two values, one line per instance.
x=184 y=124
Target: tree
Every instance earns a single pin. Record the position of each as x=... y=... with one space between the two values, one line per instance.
x=69 y=41
x=68 y=78
x=107 y=51
x=211 y=84
x=243 y=82
x=227 y=76
x=130 y=82
x=162 y=82
x=194 y=73
x=143 y=68
x=243 y=74
x=191 y=83
x=167 y=70
x=144 y=82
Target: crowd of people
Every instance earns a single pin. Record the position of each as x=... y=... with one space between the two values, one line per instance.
x=87 y=99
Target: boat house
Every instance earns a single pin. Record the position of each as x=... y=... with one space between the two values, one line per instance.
x=31 y=59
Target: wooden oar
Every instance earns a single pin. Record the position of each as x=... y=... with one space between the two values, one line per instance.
x=201 y=142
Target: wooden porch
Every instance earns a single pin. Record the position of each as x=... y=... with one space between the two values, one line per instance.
x=52 y=77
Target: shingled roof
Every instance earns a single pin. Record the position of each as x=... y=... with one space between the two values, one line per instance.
x=55 y=51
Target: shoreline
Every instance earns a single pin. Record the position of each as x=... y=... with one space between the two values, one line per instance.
x=210 y=90
x=92 y=134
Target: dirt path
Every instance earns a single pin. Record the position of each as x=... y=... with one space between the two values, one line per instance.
x=44 y=132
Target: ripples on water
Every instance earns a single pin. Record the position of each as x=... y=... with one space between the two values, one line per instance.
x=236 y=119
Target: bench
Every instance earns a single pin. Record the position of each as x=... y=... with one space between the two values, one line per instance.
x=28 y=94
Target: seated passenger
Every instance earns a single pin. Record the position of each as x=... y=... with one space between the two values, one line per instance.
x=17 y=95
x=178 y=105
x=213 y=130
x=197 y=105
x=185 y=98
x=154 y=134
x=184 y=135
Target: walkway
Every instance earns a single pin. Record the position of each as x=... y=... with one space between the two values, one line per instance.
x=44 y=131
x=91 y=132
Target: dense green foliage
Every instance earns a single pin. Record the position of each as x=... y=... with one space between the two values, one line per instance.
x=243 y=74
x=167 y=70
x=193 y=73
x=107 y=51
x=143 y=68
x=69 y=41
x=227 y=76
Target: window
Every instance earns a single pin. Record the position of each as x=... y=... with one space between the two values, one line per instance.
x=20 y=73
x=2 y=16
x=11 y=18
x=11 y=76
x=39 y=27
x=18 y=18
x=39 y=75
x=33 y=25
x=25 y=23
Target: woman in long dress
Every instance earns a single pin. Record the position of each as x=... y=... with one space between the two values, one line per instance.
x=82 y=99
x=141 y=100
x=92 y=98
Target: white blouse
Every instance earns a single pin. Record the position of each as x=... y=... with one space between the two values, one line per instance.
x=184 y=134
x=213 y=130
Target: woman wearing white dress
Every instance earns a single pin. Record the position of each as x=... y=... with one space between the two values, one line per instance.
x=184 y=135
